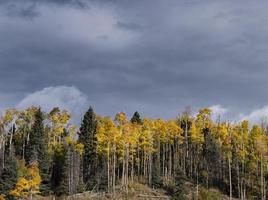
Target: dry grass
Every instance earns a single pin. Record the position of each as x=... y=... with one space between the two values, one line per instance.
x=138 y=191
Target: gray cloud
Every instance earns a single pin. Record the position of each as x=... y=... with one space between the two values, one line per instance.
x=24 y=11
x=154 y=56
x=28 y=9
x=129 y=26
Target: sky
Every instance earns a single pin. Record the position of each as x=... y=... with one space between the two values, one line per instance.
x=154 y=56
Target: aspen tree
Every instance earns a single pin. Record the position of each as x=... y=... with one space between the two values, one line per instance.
x=107 y=138
x=29 y=182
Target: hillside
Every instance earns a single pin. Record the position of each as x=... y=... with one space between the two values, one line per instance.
x=43 y=153
x=139 y=191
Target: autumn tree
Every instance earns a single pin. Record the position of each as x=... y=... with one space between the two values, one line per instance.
x=24 y=122
x=108 y=138
x=29 y=181
x=54 y=155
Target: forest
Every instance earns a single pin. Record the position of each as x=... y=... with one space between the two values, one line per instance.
x=44 y=154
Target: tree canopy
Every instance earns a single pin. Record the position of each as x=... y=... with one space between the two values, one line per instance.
x=44 y=153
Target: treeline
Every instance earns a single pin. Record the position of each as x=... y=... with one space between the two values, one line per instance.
x=43 y=153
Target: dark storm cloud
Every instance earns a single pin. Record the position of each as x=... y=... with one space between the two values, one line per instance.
x=129 y=26
x=74 y=3
x=155 y=56
x=28 y=11
x=29 y=8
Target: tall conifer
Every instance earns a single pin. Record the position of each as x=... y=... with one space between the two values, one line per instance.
x=136 y=118
x=37 y=149
x=9 y=175
x=87 y=137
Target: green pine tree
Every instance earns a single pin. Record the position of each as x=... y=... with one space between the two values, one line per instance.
x=87 y=137
x=61 y=168
x=136 y=118
x=37 y=149
x=9 y=175
x=177 y=190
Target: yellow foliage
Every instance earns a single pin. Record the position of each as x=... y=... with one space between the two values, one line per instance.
x=121 y=118
x=28 y=183
x=22 y=188
x=22 y=168
x=2 y=197
x=9 y=115
x=195 y=134
x=203 y=118
x=79 y=148
x=107 y=133
x=173 y=130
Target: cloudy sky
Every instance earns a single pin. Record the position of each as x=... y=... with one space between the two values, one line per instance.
x=154 y=56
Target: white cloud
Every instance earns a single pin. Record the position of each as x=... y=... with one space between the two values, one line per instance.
x=256 y=115
x=218 y=110
x=64 y=97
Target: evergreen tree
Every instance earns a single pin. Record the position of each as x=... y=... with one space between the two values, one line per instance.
x=136 y=118
x=180 y=187
x=59 y=181
x=87 y=137
x=37 y=149
x=9 y=176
